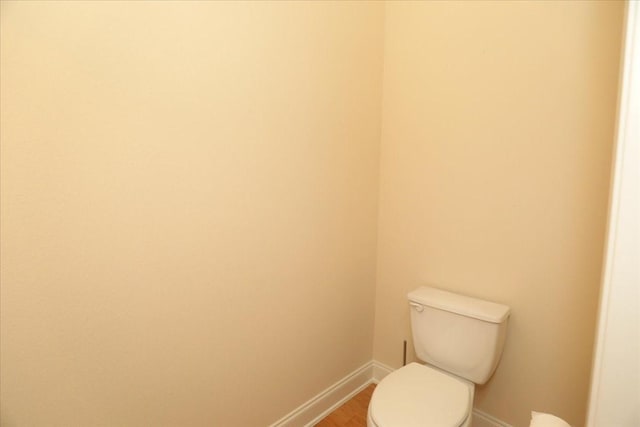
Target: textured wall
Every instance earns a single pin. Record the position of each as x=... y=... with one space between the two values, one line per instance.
x=190 y=195
x=189 y=205
x=498 y=122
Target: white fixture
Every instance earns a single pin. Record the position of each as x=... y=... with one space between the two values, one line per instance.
x=615 y=382
x=461 y=340
x=540 y=419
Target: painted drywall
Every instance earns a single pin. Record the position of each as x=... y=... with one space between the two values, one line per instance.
x=498 y=123
x=615 y=385
x=189 y=196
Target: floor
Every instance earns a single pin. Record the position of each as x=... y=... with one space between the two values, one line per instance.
x=353 y=413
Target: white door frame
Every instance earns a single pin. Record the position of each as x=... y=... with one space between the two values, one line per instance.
x=615 y=383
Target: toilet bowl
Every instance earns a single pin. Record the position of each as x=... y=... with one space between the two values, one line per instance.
x=461 y=340
x=421 y=396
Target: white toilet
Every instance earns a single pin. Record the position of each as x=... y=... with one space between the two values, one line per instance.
x=461 y=339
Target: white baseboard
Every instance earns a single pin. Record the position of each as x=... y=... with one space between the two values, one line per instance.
x=380 y=370
x=482 y=419
x=318 y=407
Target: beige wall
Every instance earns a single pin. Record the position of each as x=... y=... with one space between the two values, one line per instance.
x=190 y=196
x=496 y=144
x=189 y=206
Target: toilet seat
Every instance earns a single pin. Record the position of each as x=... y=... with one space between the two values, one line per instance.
x=417 y=396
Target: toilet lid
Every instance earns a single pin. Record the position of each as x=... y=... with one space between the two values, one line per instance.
x=419 y=396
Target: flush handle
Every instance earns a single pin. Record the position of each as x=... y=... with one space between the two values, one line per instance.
x=419 y=307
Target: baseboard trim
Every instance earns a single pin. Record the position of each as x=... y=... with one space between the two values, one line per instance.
x=318 y=407
x=380 y=370
x=338 y=404
x=482 y=419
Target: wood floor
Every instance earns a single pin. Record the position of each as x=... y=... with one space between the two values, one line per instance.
x=353 y=413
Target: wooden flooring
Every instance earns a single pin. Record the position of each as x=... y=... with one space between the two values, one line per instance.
x=353 y=413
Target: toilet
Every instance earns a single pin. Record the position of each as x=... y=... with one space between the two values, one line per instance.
x=460 y=339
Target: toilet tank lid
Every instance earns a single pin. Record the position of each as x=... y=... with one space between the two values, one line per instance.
x=460 y=304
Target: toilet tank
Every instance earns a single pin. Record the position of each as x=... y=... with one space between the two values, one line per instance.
x=458 y=334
